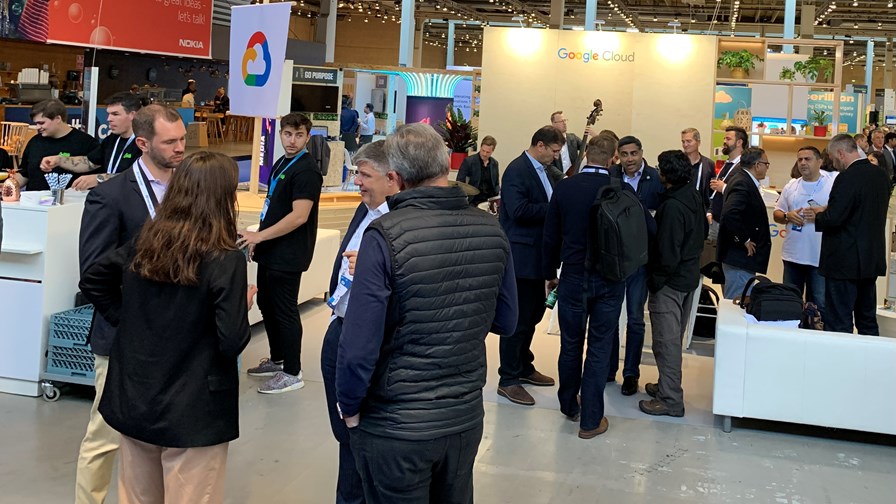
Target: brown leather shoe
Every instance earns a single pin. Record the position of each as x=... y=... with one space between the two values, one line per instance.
x=652 y=389
x=538 y=379
x=516 y=394
x=588 y=434
x=654 y=407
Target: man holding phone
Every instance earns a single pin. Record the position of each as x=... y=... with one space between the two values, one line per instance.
x=802 y=243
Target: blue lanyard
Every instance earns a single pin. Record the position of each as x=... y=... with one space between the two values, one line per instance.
x=278 y=176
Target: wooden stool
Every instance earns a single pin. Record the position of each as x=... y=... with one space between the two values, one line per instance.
x=215 y=127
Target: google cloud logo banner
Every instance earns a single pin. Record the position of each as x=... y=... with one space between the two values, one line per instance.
x=251 y=56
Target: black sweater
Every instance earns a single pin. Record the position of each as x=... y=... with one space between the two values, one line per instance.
x=681 y=228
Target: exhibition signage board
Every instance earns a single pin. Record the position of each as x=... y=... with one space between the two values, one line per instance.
x=652 y=85
x=315 y=75
x=176 y=27
x=257 y=52
x=731 y=107
x=851 y=108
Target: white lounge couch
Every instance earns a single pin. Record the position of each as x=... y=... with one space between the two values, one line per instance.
x=801 y=376
x=315 y=281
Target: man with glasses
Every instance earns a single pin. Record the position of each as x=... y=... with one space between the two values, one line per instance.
x=526 y=190
x=744 y=239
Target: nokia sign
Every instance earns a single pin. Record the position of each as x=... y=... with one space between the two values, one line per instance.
x=194 y=44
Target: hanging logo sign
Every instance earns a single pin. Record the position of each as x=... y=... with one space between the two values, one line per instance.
x=257 y=52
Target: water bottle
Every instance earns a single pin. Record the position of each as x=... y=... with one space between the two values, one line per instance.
x=551 y=301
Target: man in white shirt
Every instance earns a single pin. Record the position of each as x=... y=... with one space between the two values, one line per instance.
x=376 y=182
x=368 y=125
x=802 y=243
x=572 y=145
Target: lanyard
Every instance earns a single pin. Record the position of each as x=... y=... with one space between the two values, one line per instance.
x=699 y=173
x=276 y=176
x=594 y=169
x=817 y=186
x=149 y=197
x=113 y=168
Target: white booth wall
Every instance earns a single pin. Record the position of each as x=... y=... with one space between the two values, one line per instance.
x=665 y=85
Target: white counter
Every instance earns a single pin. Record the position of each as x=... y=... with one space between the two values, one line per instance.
x=38 y=277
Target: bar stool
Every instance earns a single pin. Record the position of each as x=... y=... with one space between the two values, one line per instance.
x=12 y=139
x=215 y=127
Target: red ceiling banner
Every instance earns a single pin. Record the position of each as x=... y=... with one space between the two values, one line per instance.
x=177 y=27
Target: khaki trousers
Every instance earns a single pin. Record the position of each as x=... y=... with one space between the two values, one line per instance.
x=149 y=474
x=97 y=456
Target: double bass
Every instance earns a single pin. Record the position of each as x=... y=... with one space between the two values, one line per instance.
x=591 y=119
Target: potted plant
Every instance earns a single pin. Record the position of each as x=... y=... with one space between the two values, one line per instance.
x=820 y=118
x=761 y=127
x=813 y=67
x=739 y=62
x=787 y=74
x=460 y=135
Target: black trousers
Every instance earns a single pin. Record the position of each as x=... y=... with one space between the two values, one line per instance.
x=847 y=298
x=516 y=357
x=397 y=471
x=278 y=294
x=348 y=483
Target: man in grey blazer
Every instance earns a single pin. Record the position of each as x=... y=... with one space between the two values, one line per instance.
x=571 y=148
x=481 y=171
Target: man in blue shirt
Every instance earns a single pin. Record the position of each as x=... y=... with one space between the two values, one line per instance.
x=432 y=277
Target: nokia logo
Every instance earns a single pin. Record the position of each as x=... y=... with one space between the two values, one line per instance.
x=195 y=44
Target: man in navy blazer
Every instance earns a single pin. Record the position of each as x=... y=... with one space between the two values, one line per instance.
x=525 y=193
x=481 y=171
x=377 y=183
x=645 y=181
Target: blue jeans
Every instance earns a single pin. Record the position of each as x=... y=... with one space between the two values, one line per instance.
x=735 y=280
x=596 y=305
x=635 y=298
x=804 y=276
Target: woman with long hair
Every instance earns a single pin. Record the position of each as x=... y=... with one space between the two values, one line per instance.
x=178 y=295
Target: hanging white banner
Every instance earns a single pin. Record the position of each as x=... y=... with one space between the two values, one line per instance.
x=257 y=51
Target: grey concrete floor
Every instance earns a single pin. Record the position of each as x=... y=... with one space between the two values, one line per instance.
x=286 y=453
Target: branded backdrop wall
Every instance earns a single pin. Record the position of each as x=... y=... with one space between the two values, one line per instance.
x=651 y=85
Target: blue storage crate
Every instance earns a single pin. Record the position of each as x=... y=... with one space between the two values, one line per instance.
x=68 y=353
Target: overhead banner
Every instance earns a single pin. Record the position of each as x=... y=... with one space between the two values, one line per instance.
x=257 y=52
x=176 y=27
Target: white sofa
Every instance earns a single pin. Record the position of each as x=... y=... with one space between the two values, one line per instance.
x=801 y=376
x=315 y=281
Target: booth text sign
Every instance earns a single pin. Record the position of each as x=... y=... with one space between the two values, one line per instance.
x=257 y=52
x=315 y=75
x=178 y=27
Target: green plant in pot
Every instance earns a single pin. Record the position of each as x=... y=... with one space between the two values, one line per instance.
x=815 y=67
x=739 y=62
x=787 y=74
x=820 y=118
x=459 y=134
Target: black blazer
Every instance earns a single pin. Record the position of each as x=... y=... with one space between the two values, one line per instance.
x=707 y=170
x=360 y=213
x=575 y=145
x=744 y=217
x=717 y=200
x=114 y=213
x=649 y=188
x=524 y=206
x=470 y=172
x=173 y=378
x=853 y=230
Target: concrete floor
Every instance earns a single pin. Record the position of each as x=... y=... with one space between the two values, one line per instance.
x=286 y=453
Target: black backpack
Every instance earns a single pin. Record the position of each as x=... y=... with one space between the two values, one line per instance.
x=320 y=153
x=772 y=301
x=707 y=311
x=617 y=233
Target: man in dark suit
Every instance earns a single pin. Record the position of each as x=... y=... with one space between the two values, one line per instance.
x=745 y=242
x=879 y=144
x=853 y=247
x=702 y=168
x=736 y=140
x=573 y=146
x=525 y=193
x=114 y=213
x=481 y=171
x=376 y=183
x=645 y=181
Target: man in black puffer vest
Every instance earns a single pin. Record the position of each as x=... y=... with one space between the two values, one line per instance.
x=432 y=277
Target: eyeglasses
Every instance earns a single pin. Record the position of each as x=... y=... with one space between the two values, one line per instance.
x=766 y=163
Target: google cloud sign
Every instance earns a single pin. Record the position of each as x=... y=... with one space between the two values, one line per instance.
x=589 y=56
x=254 y=74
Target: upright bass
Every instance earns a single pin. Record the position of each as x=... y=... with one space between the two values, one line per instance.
x=592 y=118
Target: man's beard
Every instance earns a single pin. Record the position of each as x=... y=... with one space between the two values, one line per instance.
x=726 y=150
x=161 y=161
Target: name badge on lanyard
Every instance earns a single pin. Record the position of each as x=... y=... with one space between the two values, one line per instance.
x=273 y=185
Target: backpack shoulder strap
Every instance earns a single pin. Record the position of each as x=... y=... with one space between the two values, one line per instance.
x=750 y=282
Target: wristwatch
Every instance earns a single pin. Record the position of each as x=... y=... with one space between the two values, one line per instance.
x=102 y=177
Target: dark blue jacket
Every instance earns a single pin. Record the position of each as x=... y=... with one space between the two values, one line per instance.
x=649 y=188
x=360 y=213
x=524 y=206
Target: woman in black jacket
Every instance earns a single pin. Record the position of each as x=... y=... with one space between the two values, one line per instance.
x=178 y=295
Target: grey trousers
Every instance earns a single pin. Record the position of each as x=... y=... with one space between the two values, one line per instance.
x=669 y=310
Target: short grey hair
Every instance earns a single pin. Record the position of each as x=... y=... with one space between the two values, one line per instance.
x=844 y=142
x=417 y=153
x=375 y=154
x=691 y=131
